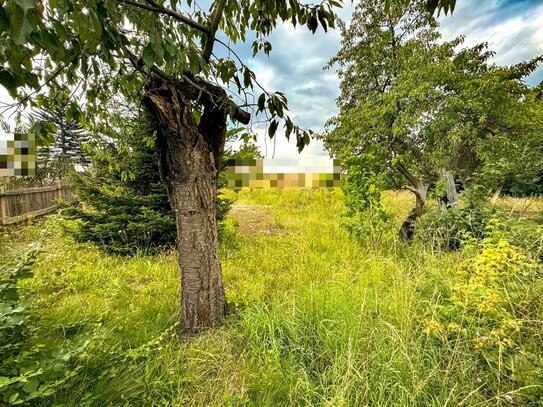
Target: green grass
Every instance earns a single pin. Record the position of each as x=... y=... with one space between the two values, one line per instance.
x=317 y=318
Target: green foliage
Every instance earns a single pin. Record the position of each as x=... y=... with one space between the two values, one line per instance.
x=420 y=105
x=490 y=310
x=365 y=214
x=122 y=203
x=58 y=155
x=472 y=217
x=30 y=370
x=448 y=229
x=103 y=47
x=322 y=318
x=108 y=47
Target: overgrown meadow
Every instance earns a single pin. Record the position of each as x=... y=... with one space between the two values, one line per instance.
x=316 y=316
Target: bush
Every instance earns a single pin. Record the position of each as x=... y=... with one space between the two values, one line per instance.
x=447 y=229
x=492 y=311
x=365 y=216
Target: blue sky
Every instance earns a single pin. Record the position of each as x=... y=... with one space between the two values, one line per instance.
x=513 y=29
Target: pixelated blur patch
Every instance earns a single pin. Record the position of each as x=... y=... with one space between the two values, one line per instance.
x=284 y=174
x=18 y=155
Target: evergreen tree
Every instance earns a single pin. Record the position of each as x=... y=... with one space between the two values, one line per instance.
x=63 y=150
x=123 y=206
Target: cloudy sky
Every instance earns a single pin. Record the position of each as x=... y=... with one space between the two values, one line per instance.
x=513 y=29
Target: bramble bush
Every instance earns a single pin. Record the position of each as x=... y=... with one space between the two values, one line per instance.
x=447 y=229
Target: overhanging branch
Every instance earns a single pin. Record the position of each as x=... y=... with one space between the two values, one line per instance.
x=157 y=8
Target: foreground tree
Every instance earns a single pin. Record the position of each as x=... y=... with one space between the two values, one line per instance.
x=168 y=48
x=122 y=205
x=421 y=107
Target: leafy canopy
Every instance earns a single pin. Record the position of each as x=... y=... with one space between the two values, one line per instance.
x=101 y=48
x=419 y=105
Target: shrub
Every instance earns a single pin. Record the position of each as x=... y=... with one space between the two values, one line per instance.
x=447 y=229
x=490 y=310
x=365 y=216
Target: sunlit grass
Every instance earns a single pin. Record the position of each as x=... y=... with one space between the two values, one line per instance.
x=316 y=318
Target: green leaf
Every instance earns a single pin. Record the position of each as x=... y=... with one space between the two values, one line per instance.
x=149 y=55
x=96 y=24
x=13 y=398
x=261 y=102
x=273 y=128
x=73 y=113
x=26 y=4
x=83 y=23
x=31 y=385
x=246 y=77
x=194 y=63
x=312 y=23
x=20 y=27
x=8 y=81
x=289 y=127
x=4 y=20
x=197 y=115
x=322 y=18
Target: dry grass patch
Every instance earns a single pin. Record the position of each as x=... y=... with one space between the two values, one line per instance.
x=254 y=220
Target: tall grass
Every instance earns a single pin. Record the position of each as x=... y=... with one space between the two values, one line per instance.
x=316 y=318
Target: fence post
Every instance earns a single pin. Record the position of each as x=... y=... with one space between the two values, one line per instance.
x=3 y=208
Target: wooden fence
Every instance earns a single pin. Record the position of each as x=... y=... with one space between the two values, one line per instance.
x=18 y=205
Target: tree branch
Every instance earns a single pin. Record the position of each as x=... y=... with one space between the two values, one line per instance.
x=214 y=26
x=410 y=177
x=195 y=87
x=414 y=190
x=156 y=8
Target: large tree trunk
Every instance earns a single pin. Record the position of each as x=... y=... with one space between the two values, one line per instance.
x=190 y=155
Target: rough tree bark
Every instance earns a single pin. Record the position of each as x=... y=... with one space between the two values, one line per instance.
x=190 y=154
